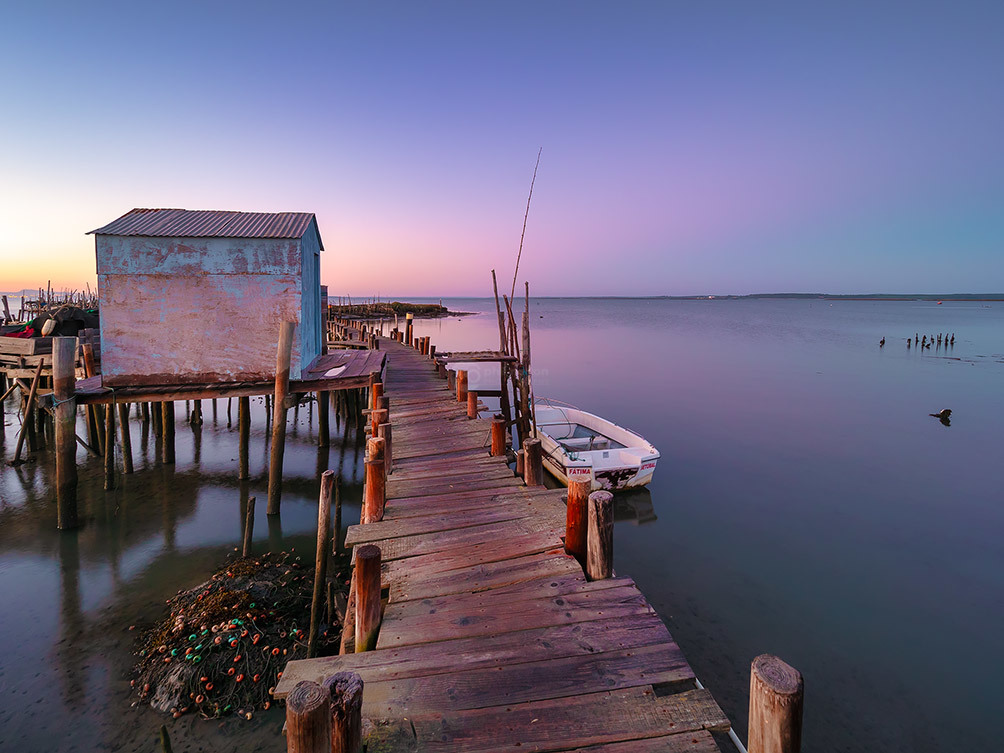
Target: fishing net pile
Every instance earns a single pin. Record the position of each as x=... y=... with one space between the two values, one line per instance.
x=223 y=647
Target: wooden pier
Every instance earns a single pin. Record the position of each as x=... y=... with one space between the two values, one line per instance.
x=492 y=637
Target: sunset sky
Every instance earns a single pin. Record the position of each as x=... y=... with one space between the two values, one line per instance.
x=688 y=147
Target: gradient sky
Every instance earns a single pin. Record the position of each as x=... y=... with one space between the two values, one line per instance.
x=688 y=147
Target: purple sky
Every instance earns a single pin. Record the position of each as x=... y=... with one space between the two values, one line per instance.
x=687 y=147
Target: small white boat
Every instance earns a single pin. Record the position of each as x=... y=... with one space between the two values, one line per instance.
x=579 y=445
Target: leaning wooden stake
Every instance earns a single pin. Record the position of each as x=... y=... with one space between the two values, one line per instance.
x=126 y=437
x=367 y=597
x=308 y=719
x=283 y=357
x=64 y=354
x=109 y=446
x=248 y=528
x=600 y=536
x=576 y=519
x=244 y=433
x=776 y=694
x=26 y=419
x=533 y=466
x=321 y=559
x=346 y=690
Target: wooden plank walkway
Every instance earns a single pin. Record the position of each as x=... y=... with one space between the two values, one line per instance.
x=492 y=638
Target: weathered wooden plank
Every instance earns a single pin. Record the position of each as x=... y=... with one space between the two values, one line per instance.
x=427 y=488
x=561 y=724
x=412 y=546
x=579 y=639
x=699 y=741
x=614 y=602
x=486 y=576
x=528 y=681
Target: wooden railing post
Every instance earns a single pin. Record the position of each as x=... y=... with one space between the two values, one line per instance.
x=64 y=356
x=376 y=392
x=375 y=488
x=533 y=464
x=776 y=694
x=367 y=597
x=282 y=364
x=451 y=379
x=576 y=519
x=377 y=417
x=461 y=385
x=600 y=536
x=498 y=436
x=472 y=405
x=308 y=719
x=346 y=690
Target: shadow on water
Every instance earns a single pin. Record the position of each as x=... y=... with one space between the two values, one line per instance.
x=71 y=597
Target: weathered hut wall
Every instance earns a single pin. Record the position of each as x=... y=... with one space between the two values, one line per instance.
x=310 y=327
x=192 y=310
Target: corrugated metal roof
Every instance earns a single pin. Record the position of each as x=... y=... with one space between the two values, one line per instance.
x=191 y=223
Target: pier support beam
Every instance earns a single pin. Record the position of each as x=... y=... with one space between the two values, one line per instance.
x=533 y=464
x=167 y=426
x=244 y=432
x=577 y=519
x=367 y=597
x=498 y=436
x=64 y=355
x=776 y=694
x=600 y=536
x=346 y=690
x=308 y=719
x=109 y=446
x=323 y=408
x=282 y=362
x=126 y=438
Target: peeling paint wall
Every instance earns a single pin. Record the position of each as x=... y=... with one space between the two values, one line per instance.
x=192 y=310
x=310 y=329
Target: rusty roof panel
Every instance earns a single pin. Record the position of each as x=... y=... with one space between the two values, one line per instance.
x=188 y=223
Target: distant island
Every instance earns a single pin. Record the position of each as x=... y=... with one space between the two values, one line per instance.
x=848 y=297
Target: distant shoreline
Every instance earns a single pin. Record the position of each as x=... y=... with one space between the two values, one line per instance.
x=837 y=297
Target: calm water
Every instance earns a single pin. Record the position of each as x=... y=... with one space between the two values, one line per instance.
x=805 y=505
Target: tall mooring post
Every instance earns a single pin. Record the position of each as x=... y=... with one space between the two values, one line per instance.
x=776 y=694
x=64 y=356
x=282 y=362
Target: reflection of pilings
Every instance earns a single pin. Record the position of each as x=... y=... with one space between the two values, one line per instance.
x=167 y=506
x=274 y=533
x=70 y=657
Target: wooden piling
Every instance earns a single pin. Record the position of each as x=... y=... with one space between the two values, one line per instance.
x=408 y=328
x=600 y=536
x=167 y=427
x=336 y=533
x=346 y=689
x=244 y=434
x=385 y=432
x=109 y=446
x=375 y=491
x=367 y=597
x=126 y=438
x=282 y=362
x=520 y=463
x=308 y=719
x=451 y=379
x=498 y=436
x=472 y=405
x=376 y=392
x=321 y=559
x=377 y=417
x=461 y=386
x=577 y=519
x=64 y=354
x=776 y=695
x=248 y=528
x=533 y=465
x=323 y=432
